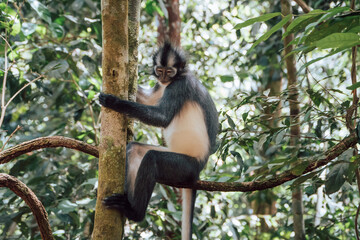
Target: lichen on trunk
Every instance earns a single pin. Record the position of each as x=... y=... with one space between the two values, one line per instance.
x=112 y=149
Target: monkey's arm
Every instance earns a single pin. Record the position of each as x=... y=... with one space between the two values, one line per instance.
x=151 y=115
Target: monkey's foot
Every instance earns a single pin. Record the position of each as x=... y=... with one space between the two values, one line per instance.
x=121 y=203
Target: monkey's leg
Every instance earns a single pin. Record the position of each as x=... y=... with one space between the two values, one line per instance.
x=160 y=166
x=135 y=153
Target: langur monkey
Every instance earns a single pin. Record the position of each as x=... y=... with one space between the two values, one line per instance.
x=182 y=106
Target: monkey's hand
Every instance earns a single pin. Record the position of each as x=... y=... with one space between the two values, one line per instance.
x=107 y=100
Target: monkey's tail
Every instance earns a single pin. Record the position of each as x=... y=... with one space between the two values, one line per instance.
x=188 y=203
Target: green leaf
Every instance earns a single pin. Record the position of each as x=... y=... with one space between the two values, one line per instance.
x=227 y=78
x=15 y=29
x=91 y=94
x=332 y=12
x=56 y=68
x=339 y=40
x=231 y=122
x=251 y=21
x=28 y=28
x=279 y=137
x=302 y=21
x=355 y=29
x=57 y=30
x=66 y=206
x=278 y=26
x=327 y=29
x=245 y=115
x=303 y=178
x=354 y=86
x=41 y=10
x=299 y=169
x=336 y=178
x=239 y=160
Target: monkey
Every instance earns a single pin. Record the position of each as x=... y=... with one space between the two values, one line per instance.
x=182 y=106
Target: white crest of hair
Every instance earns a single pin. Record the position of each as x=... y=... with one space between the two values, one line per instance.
x=186 y=220
x=158 y=58
x=171 y=59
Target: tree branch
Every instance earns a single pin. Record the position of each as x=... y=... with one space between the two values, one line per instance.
x=46 y=142
x=303 y=5
x=313 y=163
x=31 y=200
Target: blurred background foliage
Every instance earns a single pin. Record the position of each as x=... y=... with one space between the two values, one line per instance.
x=56 y=45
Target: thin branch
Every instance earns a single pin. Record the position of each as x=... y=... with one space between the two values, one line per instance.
x=356 y=222
x=91 y=111
x=303 y=5
x=3 y=106
x=11 y=135
x=46 y=142
x=31 y=200
x=21 y=89
x=6 y=70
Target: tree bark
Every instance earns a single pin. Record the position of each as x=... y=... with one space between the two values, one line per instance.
x=46 y=142
x=31 y=200
x=170 y=32
x=134 y=25
x=112 y=149
x=297 y=204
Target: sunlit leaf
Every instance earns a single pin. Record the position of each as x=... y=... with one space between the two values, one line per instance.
x=302 y=21
x=28 y=28
x=277 y=27
x=41 y=10
x=339 y=40
x=66 y=206
x=262 y=18
x=354 y=86
x=231 y=122
x=227 y=78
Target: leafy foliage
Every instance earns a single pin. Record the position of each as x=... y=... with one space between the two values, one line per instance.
x=61 y=42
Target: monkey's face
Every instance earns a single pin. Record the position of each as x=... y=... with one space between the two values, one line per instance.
x=165 y=74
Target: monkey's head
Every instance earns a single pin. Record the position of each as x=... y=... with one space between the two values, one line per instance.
x=169 y=62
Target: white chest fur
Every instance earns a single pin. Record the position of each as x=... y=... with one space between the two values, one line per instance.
x=187 y=132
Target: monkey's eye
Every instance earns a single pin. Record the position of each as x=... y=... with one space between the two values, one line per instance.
x=158 y=70
x=171 y=71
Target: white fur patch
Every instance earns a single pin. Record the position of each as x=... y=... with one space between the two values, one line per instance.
x=187 y=133
x=149 y=96
x=186 y=214
x=135 y=156
x=158 y=58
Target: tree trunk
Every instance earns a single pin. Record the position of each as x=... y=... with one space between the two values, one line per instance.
x=134 y=25
x=112 y=149
x=297 y=204
x=170 y=32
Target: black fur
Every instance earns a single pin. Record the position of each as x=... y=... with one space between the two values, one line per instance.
x=162 y=165
x=183 y=88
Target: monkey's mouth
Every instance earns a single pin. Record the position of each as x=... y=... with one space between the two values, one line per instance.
x=164 y=80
